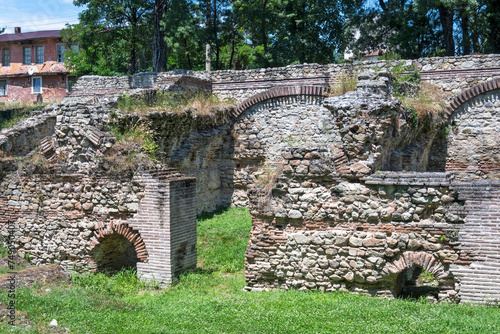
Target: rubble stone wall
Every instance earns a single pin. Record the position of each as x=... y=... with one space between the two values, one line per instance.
x=61 y=218
x=310 y=235
x=452 y=74
x=469 y=144
x=25 y=136
x=311 y=168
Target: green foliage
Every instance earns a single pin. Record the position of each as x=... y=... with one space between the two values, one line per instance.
x=427 y=278
x=4 y=251
x=27 y=257
x=426 y=28
x=11 y=114
x=123 y=283
x=405 y=73
x=114 y=37
x=140 y=133
x=222 y=239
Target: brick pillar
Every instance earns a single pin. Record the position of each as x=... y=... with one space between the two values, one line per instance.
x=166 y=221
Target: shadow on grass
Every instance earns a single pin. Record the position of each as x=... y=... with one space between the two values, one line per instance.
x=210 y=215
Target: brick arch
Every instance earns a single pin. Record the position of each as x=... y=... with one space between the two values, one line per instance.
x=129 y=233
x=277 y=92
x=418 y=259
x=471 y=93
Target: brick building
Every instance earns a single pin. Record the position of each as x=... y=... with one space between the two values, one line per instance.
x=32 y=67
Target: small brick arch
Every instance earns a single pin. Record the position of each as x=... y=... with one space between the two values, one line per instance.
x=129 y=233
x=471 y=93
x=418 y=259
x=277 y=92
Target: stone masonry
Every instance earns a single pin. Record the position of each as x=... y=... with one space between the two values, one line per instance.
x=346 y=193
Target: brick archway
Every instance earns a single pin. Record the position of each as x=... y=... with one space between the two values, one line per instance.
x=427 y=261
x=423 y=260
x=129 y=233
x=277 y=92
x=471 y=93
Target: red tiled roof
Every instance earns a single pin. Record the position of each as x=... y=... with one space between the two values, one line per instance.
x=45 y=68
x=30 y=35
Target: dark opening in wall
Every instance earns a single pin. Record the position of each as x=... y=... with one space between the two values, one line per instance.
x=415 y=282
x=114 y=253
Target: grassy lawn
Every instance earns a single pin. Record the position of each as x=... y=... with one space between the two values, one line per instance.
x=211 y=300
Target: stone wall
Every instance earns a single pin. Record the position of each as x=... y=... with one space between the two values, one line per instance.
x=308 y=166
x=61 y=218
x=310 y=235
x=25 y=136
x=469 y=144
x=452 y=74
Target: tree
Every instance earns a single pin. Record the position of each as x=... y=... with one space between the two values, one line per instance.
x=159 y=43
x=417 y=28
x=114 y=36
x=493 y=19
x=183 y=33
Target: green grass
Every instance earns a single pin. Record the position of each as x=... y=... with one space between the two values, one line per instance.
x=206 y=301
x=222 y=239
x=173 y=102
x=11 y=115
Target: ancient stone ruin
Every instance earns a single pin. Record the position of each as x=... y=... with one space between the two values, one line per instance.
x=352 y=192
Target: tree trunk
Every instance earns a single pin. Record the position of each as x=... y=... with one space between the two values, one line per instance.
x=216 y=35
x=464 y=23
x=208 y=61
x=159 y=43
x=232 y=49
x=446 y=18
x=208 y=36
x=264 y=32
x=493 y=9
x=133 y=56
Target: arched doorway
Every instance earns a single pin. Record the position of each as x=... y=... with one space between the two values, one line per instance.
x=418 y=274
x=416 y=282
x=114 y=253
x=117 y=247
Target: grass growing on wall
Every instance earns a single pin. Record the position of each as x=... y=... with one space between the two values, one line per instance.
x=347 y=82
x=10 y=115
x=201 y=102
x=428 y=102
x=203 y=301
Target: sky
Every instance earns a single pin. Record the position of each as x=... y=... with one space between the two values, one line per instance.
x=33 y=15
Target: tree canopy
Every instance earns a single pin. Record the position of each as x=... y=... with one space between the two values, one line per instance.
x=127 y=36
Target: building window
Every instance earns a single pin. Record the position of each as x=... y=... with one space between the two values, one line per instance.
x=36 y=85
x=6 y=57
x=39 y=52
x=3 y=87
x=27 y=56
x=61 y=49
x=70 y=82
